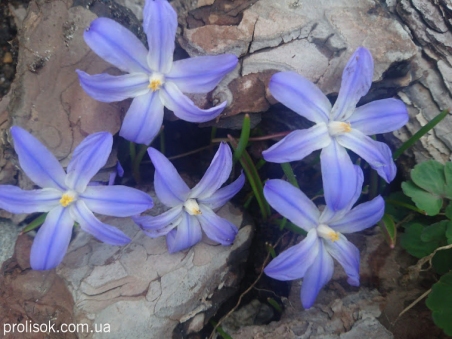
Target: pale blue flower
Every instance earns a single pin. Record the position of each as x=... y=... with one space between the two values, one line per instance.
x=192 y=210
x=339 y=127
x=312 y=258
x=67 y=197
x=154 y=80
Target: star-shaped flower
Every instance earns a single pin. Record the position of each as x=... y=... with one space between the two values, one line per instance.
x=154 y=80
x=192 y=210
x=67 y=197
x=339 y=127
x=311 y=259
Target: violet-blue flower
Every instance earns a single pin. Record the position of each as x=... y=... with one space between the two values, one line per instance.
x=339 y=127
x=67 y=197
x=311 y=259
x=192 y=210
x=154 y=80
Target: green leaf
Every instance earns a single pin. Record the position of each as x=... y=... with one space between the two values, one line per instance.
x=449 y=233
x=429 y=175
x=442 y=261
x=429 y=202
x=412 y=243
x=448 y=211
x=389 y=229
x=435 y=232
x=448 y=177
x=439 y=302
x=38 y=221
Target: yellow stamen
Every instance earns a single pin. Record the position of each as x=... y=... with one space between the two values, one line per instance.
x=339 y=127
x=155 y=84
x=327 y=232
x=66 y=199
x=192 y=207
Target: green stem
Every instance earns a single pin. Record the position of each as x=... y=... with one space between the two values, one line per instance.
x=289 y=174
x=405 y=205
x=243 y=141
x=419 y=134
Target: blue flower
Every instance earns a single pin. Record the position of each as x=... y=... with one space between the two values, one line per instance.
x=339 y=127
x=67 y=197
x=311 y=259
x=154 y=80
x=192 y=210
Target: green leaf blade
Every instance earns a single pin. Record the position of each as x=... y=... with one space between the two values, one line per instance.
x=439 y=302
x=429 y=202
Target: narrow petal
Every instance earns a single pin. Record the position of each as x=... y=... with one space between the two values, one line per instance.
x=291 y=203
x=217 y=173
x=117 y=201
x=169 y=186
x=90 y=224
x=216 y=228
x=184 y=108
x=187 y=234
x=16 y=200
x=201 y=74
x=117 y=45
x=52 y=240
x=109 y=88
x=300 y=95
x=317 y=276
x=224 y=194
x=143 y=120
x=298 y=144
x=160 y=24
x=295 y=261
x=356 y=82
x=338 y=175
x=361 y=217
x=38 y=163
x=347 y=255
x=380 y=116
x=376 y=153
x=156 y=223
x=88 y=158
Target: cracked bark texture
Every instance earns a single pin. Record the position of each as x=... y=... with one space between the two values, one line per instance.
x=143 y=291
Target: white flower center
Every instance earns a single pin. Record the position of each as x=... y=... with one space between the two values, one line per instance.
x=326 y=232
x=156 y=81
x=68 y=198
x=338 y=128
x=192 y=207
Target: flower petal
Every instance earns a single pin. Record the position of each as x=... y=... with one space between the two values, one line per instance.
x=38 y=163
x=201 y=74
x=16 y=200
x=291 y=203
x=377 y=154
x=217 y=173
x=361 y=217
x=300 y=95
x=117 y=201
x=52 y=240
x=317 y=276
x=143 y=120
x=298 y=144
x=338 y=175
x=224 y=194
x=158 y=225
x=160 y=24
x=90 y=224
x=184 y=108
x=294 y=262
x=169 y=186
x=109 y=88
x=356 y=82
x=88 y=158
x=347 y=255
x=187 y=234
x=216 y=228
x=379 y=116
x=117 y=45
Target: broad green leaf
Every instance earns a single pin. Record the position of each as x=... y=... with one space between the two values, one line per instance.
x=435 y=232
x=429 y=175
x=448 y=177
x=439 y=302
x=449 y=233
x=442 y=261
x=412 y=243
x=429 y=202
x=448 y=211
x=395 y=205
